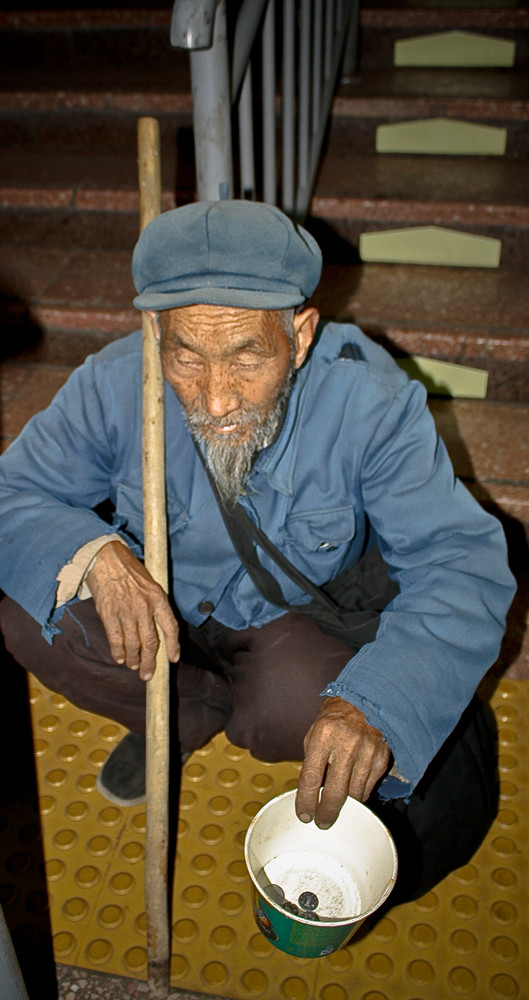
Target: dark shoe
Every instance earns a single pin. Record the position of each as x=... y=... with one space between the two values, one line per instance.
x=122 y=777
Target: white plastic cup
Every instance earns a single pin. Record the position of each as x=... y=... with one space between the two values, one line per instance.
x=351 y=868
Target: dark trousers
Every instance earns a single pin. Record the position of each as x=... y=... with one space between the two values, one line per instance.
x=263 y=688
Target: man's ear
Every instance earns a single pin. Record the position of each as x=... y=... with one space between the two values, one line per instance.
x=305 y=324
x=153 y=316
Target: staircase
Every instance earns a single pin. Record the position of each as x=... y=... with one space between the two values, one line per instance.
x=72 y=85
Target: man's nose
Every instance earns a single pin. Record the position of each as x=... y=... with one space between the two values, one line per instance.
x=221 y=396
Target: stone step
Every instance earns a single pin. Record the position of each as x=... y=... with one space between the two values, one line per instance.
x=383 y=26
x=61 y=32
x=60 y=302
x=53 y=110
x=353 y=194
x=496 y=98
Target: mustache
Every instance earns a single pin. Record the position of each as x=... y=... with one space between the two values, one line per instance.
x=198 y=418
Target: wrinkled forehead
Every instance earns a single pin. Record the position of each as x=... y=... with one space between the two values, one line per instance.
x=221 y=323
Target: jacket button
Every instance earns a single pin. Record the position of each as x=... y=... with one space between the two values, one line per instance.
x=206 y=607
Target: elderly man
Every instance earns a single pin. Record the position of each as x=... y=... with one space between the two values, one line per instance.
x=304 y=478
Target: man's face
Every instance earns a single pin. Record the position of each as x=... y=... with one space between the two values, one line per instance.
x=231 y=370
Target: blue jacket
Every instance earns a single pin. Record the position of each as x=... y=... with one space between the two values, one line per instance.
x=357 y=441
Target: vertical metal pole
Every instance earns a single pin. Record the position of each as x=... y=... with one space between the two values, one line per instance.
x=317 y=62
x=269 y=109
x=12 y=984
x=304 y=99
x=350 y=60
x=288 y=124
x=210 y=84
x=155 y=533
x=246 y=143
x=329 y=34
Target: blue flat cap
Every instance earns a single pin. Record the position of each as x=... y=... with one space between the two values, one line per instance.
x=243 y=254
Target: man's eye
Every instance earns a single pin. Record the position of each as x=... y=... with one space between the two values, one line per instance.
x=188 y=361
x=249 y=360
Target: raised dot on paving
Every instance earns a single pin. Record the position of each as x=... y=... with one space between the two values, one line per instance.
x=186 y=930
x=136 y=959
x=211 y=833
x=56 y=777
x=254 y=981
x=110 y=733
x=223 y=937
x=203 y=864
x=68 y=753
x=465 y=907
x=64 y=840
x=99 y=845
x=79 y=728
x=504 y=912
x=504 y=948
x=87 y=876
x=99 y=951
x=122 y=883
x=77 y=811
x=463 y=942
x=49 y=723
x=504 y=987
x=75 y=908
x=111 y=917
x=420 y=973
x=380 y=965
x=194 y=896
x=188 y=799
x=133 y=852
x=214 y=974
x=86 y=783
x=54 y=869
x=231 y=903
x=64 y=944
x=109 y=816
x=294 y=988
x=182 y=828
x=335 y=992
x=423 y=935
x=228 y=777
x=195 y=772
x=219 y=805
x=462 y=980
x=179 y=967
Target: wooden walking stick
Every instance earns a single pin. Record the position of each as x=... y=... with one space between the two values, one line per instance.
x=155 y=535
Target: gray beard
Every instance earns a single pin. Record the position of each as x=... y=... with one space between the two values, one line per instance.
x=231 y=464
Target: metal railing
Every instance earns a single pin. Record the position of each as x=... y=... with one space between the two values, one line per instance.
x=263 y=76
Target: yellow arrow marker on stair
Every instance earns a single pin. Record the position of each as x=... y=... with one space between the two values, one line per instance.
x=441 y=136
x=431 y=245
x=454 y=48
x=444 y=378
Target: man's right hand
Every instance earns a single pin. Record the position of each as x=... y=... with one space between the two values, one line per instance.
x=132 y=606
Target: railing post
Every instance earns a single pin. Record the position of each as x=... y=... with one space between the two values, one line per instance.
x=288 y=109
x=350 y=59
x=269 y=106
x=210 y=84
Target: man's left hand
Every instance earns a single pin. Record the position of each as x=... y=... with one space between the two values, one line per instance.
x=354 y=754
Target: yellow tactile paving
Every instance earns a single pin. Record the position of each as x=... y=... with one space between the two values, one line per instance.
x=465 y=939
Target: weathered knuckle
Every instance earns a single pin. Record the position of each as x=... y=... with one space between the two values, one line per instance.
x=309 y=779
x=151 y=643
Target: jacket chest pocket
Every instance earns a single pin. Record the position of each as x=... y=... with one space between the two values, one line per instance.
x=129 y=512
x=321 y=531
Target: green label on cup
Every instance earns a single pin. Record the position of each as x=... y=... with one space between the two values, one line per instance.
x=297 y=937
